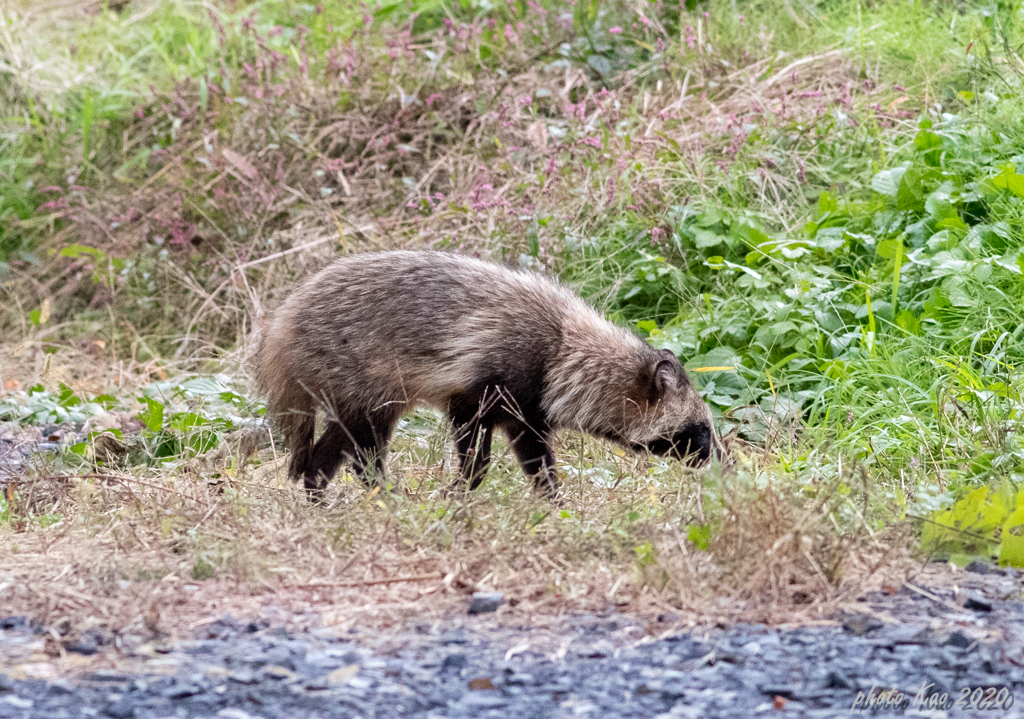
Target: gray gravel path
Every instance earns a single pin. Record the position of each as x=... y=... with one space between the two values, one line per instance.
x=587 y=666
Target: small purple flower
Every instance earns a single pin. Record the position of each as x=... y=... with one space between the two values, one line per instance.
x=614 y=30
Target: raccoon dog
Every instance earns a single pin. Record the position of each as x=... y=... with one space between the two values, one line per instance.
x=374 y=335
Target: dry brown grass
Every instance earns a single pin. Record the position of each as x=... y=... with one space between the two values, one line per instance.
x=225 y=533
x=125 y=543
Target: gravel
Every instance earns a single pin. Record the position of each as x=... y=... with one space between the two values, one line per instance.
x=485 y=602
x=596 y=666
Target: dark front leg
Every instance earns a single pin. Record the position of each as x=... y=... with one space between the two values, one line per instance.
x=332 y=447
x=473 y=446
x=371 y=437
x=533 y=450
x=361 y=441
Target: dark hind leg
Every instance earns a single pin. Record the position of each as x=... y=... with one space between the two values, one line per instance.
x=532 y=448
x=472 y=416
x=298 y=427
x=473 y=447
x=482 y=461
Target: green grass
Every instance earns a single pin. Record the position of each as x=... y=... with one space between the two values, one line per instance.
x=826 y=226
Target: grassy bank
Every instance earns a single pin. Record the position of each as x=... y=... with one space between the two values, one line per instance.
x=817 y=206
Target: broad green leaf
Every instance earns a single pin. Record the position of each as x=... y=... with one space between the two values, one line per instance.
x=185 y=421
x=830 y=239
x=769 y=335
x=748 y=233
x=67 y=397
x=1011 y=549
x=600 y=63
x=939 y=203
x=203 y=386
x=741 y=268
x=910 y=195
x=956 y=292
x=105 y=400
x=930 y=145
x=645 y=555
x=887 y=182
x=962 y=559
x=793 y=250
x=704 y=239
x=889 y=248
x=907 y=321
x=699 y=536
x=953 y=222
x=1008 y=179
x=826 y=203
x=710 y=216
x=719 y=357
x=153 y=415
x=969 y=525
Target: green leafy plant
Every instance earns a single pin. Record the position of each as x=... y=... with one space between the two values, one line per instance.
x=988 y=521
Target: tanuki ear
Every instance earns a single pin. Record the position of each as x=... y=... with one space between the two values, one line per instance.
x=668 y=374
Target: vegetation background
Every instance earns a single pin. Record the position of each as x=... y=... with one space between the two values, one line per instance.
x=816 y=203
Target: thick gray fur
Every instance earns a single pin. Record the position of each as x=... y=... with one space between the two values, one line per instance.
x=374 y=335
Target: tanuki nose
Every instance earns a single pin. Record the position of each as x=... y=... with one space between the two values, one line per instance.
x=696 y=447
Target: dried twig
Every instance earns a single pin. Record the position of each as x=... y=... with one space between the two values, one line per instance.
x=371 y=582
